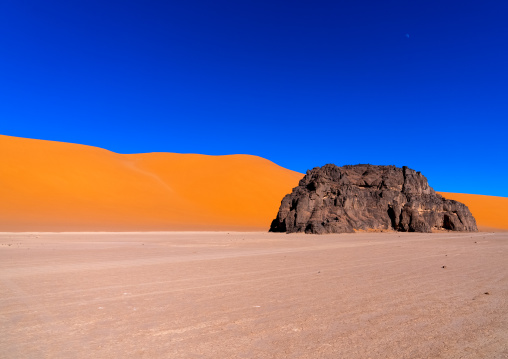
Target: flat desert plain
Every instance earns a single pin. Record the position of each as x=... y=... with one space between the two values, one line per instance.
x=253 y=295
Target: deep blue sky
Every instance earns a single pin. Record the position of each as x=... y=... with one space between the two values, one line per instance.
x=302 y=83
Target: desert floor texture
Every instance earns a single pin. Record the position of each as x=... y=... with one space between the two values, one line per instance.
x=253 y=295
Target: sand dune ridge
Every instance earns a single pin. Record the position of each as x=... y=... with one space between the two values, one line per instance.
x=56 y=186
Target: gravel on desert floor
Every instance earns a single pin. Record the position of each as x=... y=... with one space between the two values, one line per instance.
x=253 y=295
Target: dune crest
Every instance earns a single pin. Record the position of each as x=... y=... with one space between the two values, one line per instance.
x=56 y=186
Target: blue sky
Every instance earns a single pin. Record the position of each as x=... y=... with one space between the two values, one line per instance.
x=416 y=83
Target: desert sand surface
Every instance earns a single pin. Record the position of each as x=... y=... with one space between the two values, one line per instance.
x=56 y=186
x=253 y=295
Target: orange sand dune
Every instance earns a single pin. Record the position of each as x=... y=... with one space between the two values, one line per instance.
x=54 y=186
x=490 y=212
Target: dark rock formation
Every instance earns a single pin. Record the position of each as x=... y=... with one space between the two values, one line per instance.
x=335 y=199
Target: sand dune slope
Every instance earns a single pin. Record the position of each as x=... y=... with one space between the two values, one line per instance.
x=55 y=186
x=46 y=185
x=490 y=212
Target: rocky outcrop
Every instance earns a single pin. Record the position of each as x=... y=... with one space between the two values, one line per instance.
x=333 y=199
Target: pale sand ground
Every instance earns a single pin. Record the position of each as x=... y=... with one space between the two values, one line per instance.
x=253 y=295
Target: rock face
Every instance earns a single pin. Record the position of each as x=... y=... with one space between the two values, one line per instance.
x=333 y=199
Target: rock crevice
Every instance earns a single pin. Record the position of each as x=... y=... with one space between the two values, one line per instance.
x=333 y=199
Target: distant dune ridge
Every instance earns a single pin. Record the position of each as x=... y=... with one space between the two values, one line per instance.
x=55 y=186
